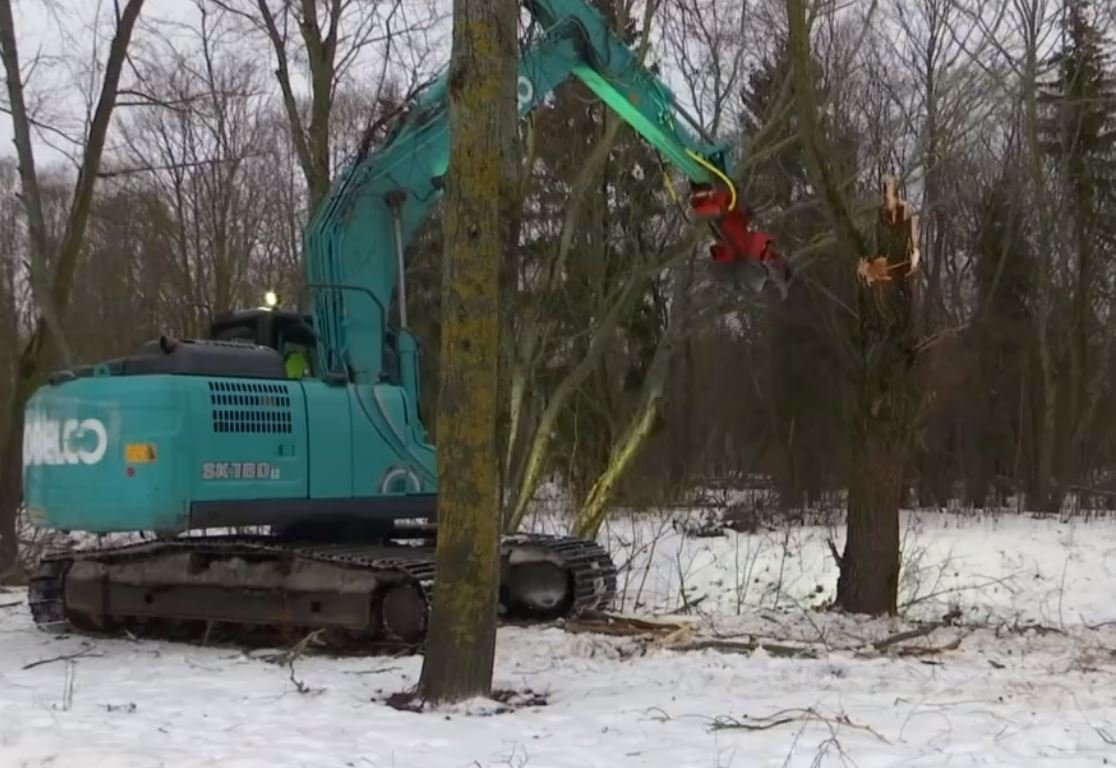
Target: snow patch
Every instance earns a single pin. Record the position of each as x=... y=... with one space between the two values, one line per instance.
x=1019 y=675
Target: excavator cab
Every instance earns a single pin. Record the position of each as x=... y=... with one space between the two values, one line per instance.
x=292 y=335
x=289 y=333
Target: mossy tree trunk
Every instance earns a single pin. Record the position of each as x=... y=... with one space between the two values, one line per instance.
x=461 y=641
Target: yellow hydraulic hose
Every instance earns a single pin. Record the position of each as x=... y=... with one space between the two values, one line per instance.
x=716 y=172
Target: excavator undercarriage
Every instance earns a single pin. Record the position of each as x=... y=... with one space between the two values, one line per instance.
x=371 y=597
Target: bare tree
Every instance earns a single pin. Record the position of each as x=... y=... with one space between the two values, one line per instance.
x=886 y=348
x=332 y=37
x=52 y=293
x=200 y=137
x=710 y=42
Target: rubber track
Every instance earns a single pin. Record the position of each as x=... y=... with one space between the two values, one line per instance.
x=593 y=571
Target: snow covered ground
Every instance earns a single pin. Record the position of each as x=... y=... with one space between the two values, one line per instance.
x=1025 y=676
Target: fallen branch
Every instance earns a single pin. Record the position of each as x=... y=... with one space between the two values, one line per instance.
x=300 y=686
x=85 y=653
x=377 y=671
x=676 y=636
x=894 y=642
x=285 y=657
x=925 y=650
x=902 y=637
x=785 y=716
x=607 y=624
x=1038 y=628
x=741 y=646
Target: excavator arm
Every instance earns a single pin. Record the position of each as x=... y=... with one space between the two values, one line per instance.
x=356 y=239
x=612 y=70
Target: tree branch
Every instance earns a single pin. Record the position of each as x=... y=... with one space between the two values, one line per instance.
x=91 y=158
x=837 y=206
x=31 y=195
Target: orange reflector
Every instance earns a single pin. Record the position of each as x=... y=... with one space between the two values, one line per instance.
x=139 y=453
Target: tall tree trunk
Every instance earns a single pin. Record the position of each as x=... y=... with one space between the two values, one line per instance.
x=1043 y=210
x=11 y=468
x=461 y=642
x=886 y=407
x=1049 y=499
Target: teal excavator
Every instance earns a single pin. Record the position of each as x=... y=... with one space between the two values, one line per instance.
x=303 y=429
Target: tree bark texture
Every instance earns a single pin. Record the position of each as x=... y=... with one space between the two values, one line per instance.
x=884 y=417
x=461 y=641
x=11 y=471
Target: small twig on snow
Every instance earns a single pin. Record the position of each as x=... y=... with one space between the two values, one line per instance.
x=785 y=716
x=820 y=632
x=84 y=653
x=292 y=655
x=377 y=671
x=955 y=590
x=662 y=717
x=1101 y=625
x=722 y=724
x=302 y=687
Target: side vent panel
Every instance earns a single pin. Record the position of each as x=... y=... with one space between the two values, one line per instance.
x=250 y=407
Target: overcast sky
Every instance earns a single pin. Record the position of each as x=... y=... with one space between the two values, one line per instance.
x=60 y=33
x=60 y=36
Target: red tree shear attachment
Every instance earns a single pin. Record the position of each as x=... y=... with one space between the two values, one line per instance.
x=739 y=248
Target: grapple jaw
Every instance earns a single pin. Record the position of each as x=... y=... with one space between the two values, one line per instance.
x=740 y=254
